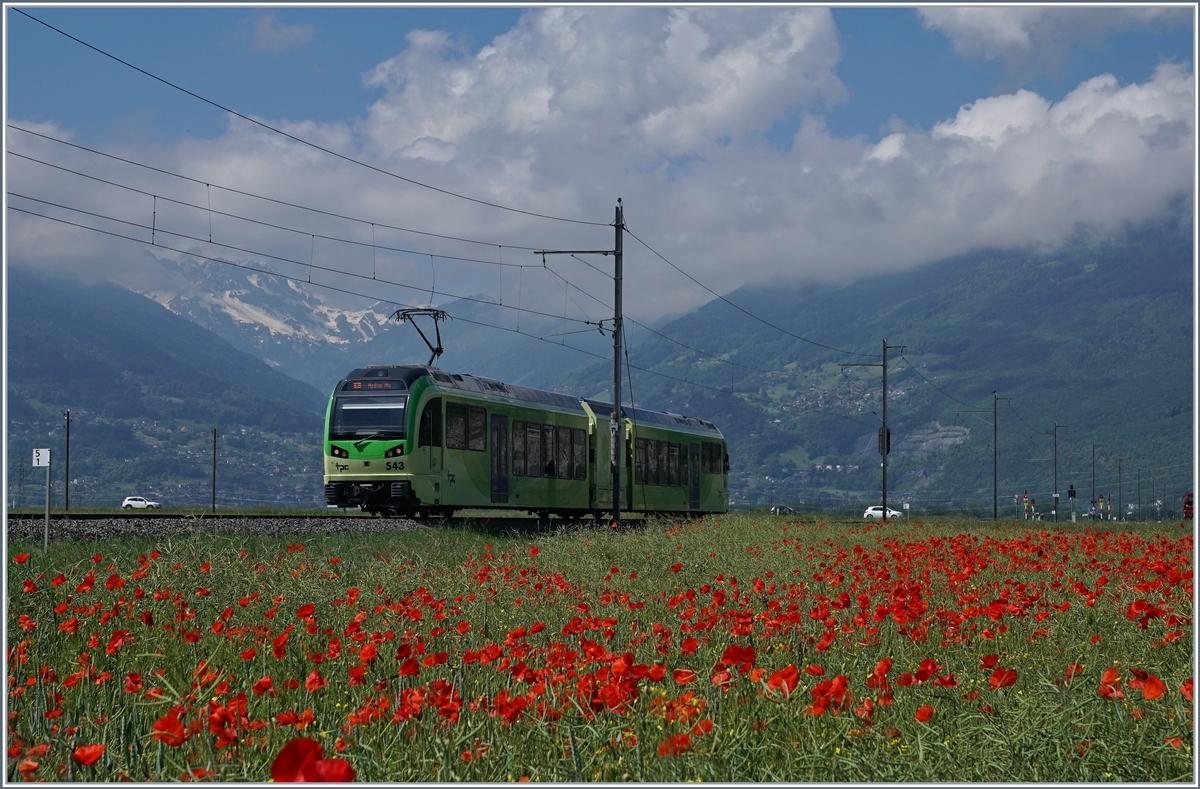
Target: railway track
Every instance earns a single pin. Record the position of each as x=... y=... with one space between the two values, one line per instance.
x=111 y=526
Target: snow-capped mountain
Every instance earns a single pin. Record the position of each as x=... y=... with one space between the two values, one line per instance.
x=279 y=320
x=300 y=332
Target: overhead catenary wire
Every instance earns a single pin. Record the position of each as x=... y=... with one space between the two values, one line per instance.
x=913 y=367
x=372 y=224
x=244 y=193
x=308 y=143
x=456 y=317
x=375 y=246
x=268 y=255
x=285 y=228
x=744 y=311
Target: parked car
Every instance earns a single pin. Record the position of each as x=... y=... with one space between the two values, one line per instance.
x=876 y=513
x=781 y=510
x=139 y=503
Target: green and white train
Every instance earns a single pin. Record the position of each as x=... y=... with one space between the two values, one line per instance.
x=414 y=440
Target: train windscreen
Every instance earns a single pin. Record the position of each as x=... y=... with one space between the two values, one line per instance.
x=374 y=416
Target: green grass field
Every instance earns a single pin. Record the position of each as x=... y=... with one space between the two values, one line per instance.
x=738 y=648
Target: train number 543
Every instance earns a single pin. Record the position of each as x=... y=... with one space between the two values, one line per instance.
x=395 y=465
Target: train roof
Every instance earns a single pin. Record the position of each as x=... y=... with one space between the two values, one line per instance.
x=409 y=373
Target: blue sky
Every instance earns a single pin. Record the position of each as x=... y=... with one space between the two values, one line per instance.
x=799 y=143
x=892 y=65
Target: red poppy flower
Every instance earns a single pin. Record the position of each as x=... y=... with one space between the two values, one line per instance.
x=814 y=671
x=689 y=646
x=306 y=610
x=740 y=656
x=1186 y=689
x=1002 y=678
x=169 y=729
x=409 y=668
x=534 y=550
x=263 y=686
x=883 y=667
x=785 y=680
x=315 y=681
x=676 y=743
x=303 y=759
x=21 y=558
x=988 y=661
x=676 y=567
x=925 y=712
x=1153 y=687
x=683 y=676
x=88 y=754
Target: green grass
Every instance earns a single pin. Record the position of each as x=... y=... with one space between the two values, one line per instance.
x=488 y=576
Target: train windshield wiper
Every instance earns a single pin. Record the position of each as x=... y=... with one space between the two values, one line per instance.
x=359 y=443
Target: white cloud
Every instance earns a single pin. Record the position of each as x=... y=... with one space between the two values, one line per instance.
x=1028 y=39
x=665 y=108
x=265 y=33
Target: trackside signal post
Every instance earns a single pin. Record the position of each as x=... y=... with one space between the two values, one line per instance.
x=616 y=444
x=41 y=457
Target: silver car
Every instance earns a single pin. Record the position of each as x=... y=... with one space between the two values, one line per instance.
x=139 y=503
x=876 y=513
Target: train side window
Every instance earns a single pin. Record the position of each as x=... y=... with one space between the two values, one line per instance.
x=477 y=440
x=726 y=461
x=564 y=457
x=579 y=450
x=548 y=446
x=533 y=450
x=651 y=462
x=518 y=449
x=430 y=432
x=706 y=457
x=664 y=463
x=456 y=426
x=639 y=462
x=673 y=462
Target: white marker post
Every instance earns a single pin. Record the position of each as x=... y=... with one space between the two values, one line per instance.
x=41 y=457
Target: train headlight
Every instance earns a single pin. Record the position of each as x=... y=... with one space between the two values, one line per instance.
x=394 y=452
x=338 y=452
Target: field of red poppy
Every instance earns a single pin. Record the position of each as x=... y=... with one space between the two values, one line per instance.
x=737 y=648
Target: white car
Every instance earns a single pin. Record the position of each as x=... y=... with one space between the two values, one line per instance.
x=139 y=503
x=876 y=513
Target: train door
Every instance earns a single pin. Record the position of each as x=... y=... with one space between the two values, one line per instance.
x=694 y=476
x=429 y=437
x=499 y=459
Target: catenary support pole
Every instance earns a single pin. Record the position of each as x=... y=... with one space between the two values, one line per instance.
x=214 y=472
x=67 y=467
x=617 y=425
